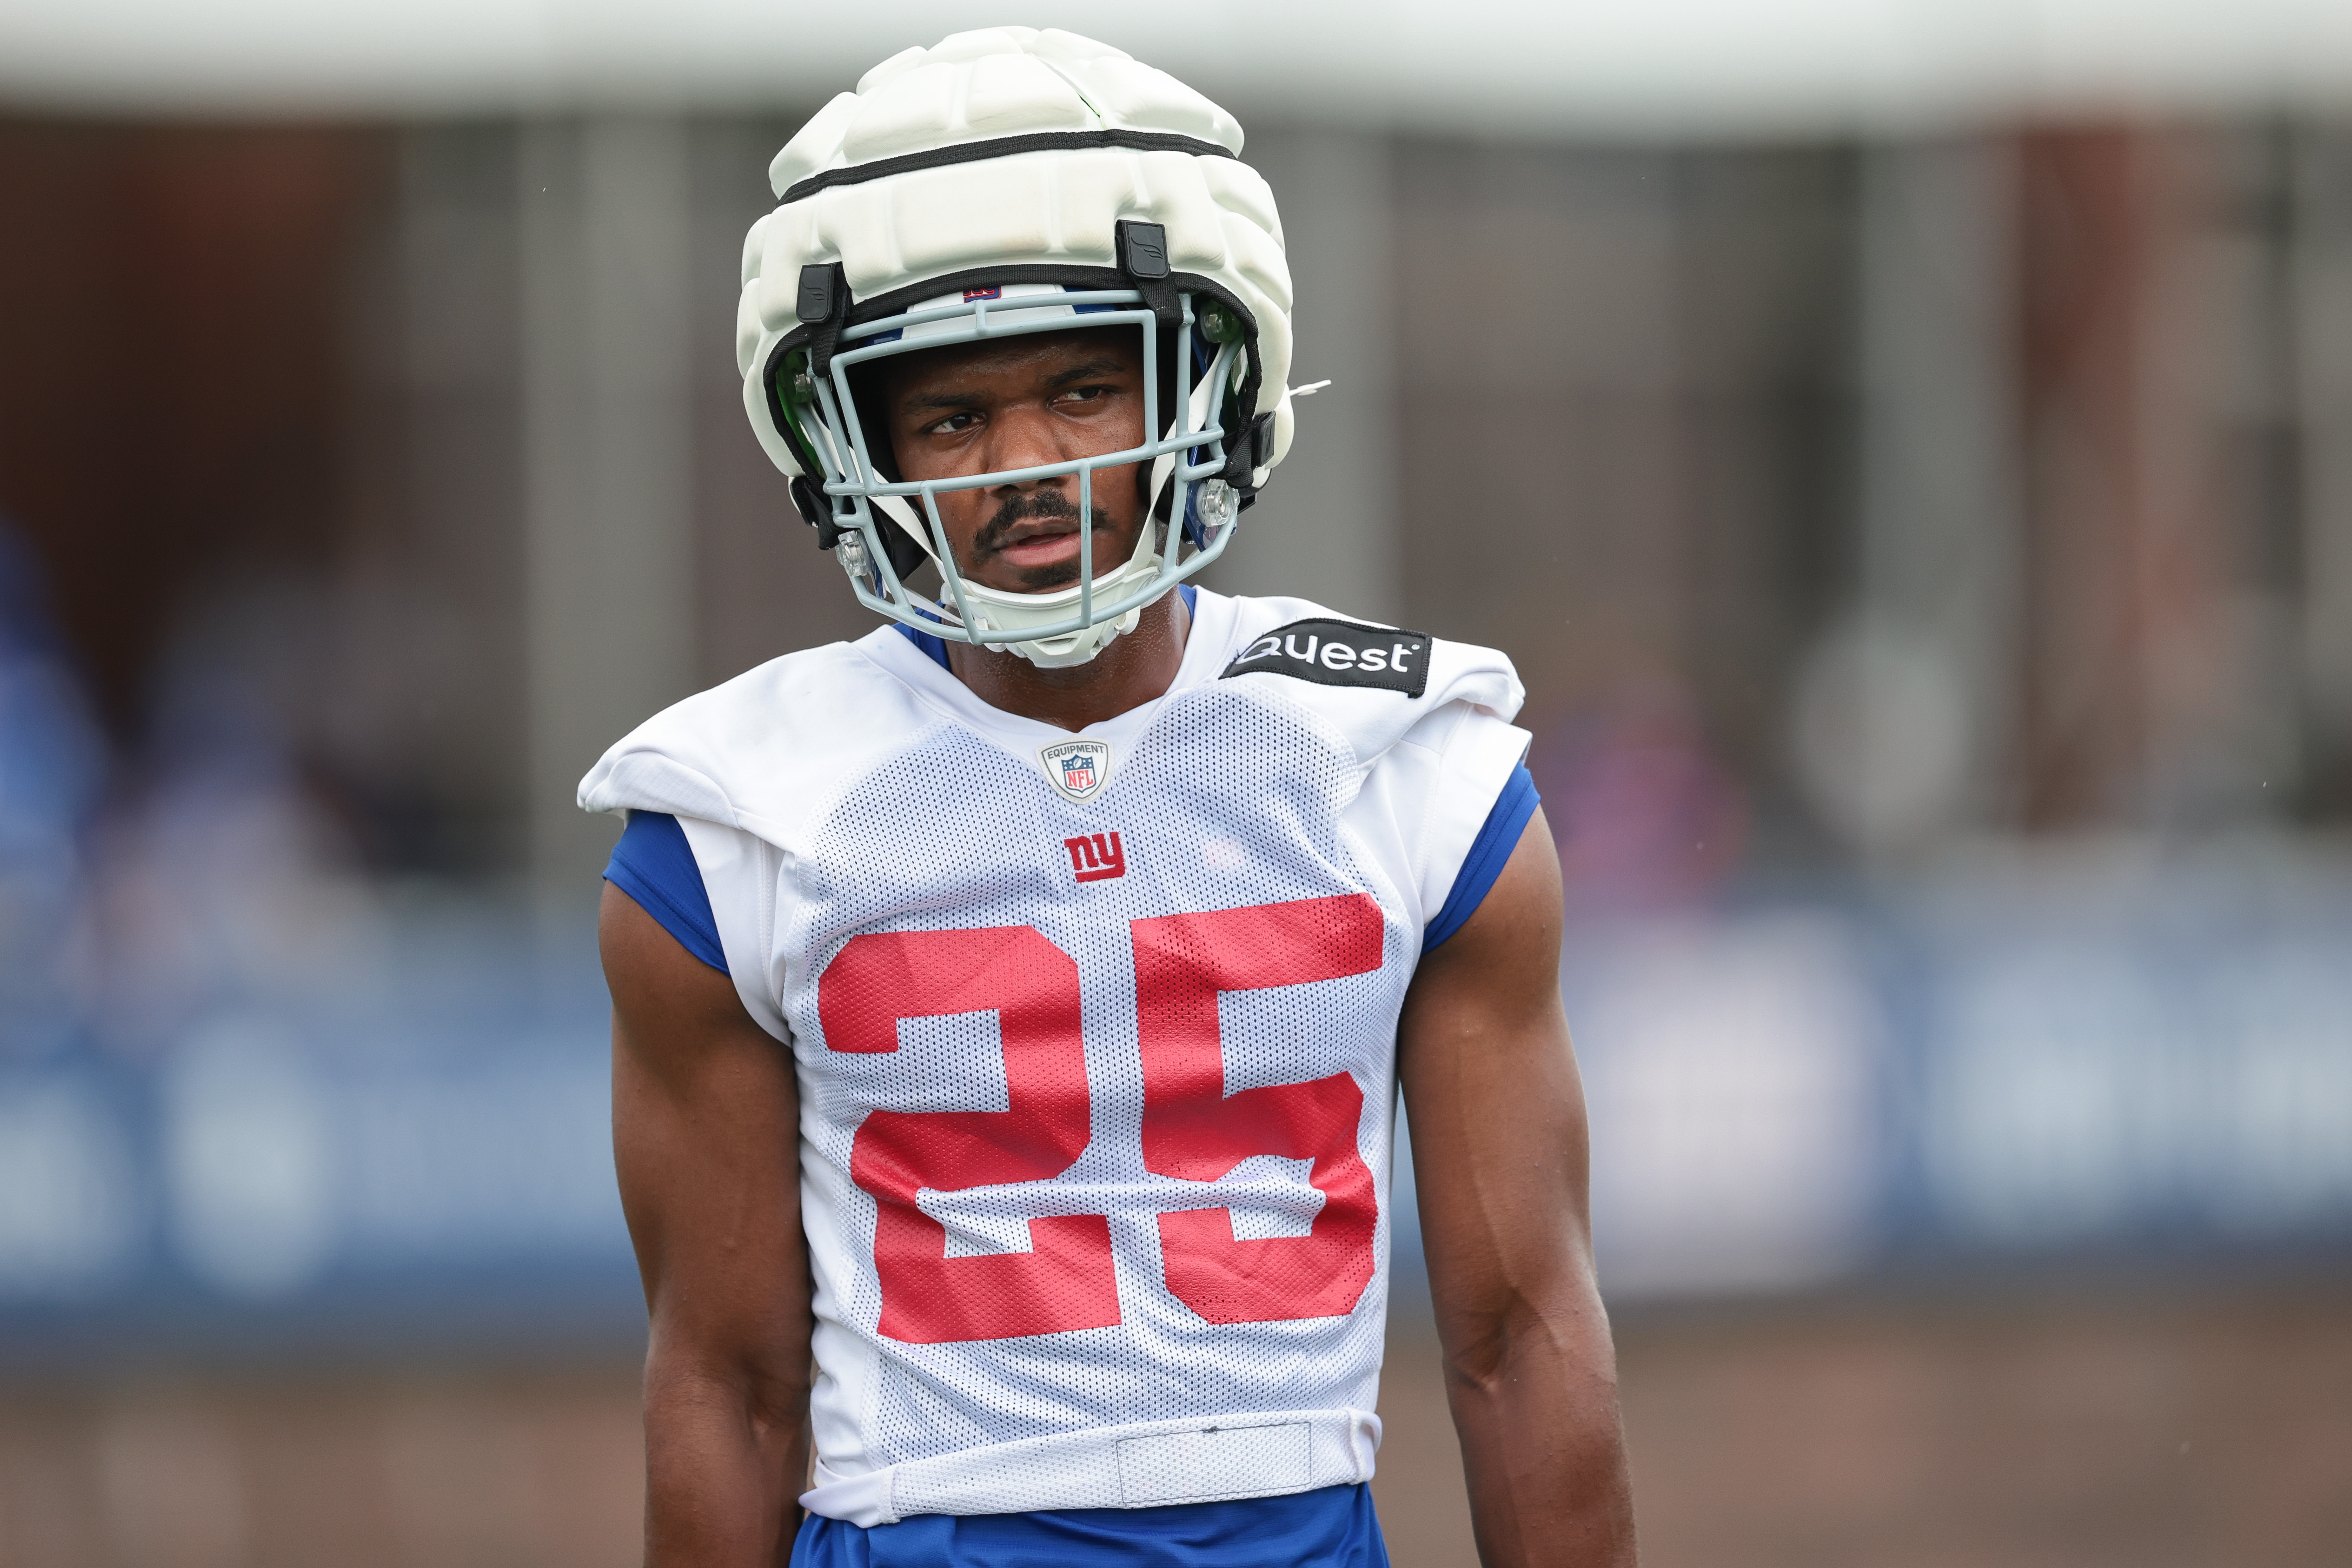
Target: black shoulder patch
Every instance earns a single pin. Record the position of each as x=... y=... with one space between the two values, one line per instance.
x=1339 y=653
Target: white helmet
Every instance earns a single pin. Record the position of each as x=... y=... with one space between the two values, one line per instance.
x=1005 y=182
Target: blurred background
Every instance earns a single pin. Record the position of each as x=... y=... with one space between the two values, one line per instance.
x=1906 y=447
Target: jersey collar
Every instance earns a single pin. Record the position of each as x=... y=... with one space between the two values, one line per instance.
x=1207 y=649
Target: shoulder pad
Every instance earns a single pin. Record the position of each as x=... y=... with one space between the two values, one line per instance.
x=765 y=750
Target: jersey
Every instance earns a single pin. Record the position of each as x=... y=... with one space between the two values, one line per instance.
x=1095 y=1037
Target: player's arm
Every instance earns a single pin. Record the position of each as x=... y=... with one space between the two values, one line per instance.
x=1499 y=1155
x=706 y=1137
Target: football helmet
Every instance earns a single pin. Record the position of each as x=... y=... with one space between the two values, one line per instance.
x=1006 y=182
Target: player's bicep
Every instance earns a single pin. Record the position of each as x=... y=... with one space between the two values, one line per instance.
x=705 y=1141
x=1492 y=1094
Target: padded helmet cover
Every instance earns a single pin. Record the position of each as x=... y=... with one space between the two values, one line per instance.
x=857 y=188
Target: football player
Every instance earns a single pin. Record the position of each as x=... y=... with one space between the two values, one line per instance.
x=1010 y=1005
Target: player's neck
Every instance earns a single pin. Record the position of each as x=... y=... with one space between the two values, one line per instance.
x=1131 y=670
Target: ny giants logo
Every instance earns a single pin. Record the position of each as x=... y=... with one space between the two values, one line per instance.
x=1097 y=857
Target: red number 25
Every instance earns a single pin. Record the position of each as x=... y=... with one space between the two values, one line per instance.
x=1192 y=1130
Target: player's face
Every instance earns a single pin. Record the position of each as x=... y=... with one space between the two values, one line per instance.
x=1046 y=397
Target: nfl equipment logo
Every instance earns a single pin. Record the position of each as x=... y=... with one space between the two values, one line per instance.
x=1076 y=769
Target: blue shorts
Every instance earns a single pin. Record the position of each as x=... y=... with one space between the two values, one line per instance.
x=1333 y=1527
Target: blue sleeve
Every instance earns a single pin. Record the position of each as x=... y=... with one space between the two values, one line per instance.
x=654 y=864
x=1488 y=851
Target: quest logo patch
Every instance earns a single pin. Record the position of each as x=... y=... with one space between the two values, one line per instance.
x=1339 y=653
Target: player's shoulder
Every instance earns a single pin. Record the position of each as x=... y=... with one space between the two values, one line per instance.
x=744 y=750
x=1356 y=667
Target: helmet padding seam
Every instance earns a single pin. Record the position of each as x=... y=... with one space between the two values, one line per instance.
x=1006 y=147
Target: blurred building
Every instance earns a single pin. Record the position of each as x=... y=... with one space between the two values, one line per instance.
x=1924 y=531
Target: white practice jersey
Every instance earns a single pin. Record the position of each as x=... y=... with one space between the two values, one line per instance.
x=1096 y=1041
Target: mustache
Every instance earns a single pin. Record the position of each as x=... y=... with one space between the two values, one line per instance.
x=1037 y=504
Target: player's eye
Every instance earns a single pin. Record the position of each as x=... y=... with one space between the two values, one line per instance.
x=1084 y=394
x=952 y=424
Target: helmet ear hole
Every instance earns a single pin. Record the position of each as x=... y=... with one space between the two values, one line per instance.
x=811 y=502
x=867 y=384
x=907 y=557
x=867 y=389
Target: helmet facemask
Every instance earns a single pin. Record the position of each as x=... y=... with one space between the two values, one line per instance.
x=1004 y=182
x=881 y=528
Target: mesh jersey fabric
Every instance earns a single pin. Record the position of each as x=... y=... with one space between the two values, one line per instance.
x=1094 y=1171
x=654 y=864
x=1331 y=1527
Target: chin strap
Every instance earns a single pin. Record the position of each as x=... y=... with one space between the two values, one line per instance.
x=1163 y=467
x=899 y=511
